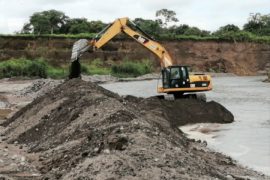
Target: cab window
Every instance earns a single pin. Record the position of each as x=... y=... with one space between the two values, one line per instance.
x=184 y=72
x=175 y=74
x=166 y=78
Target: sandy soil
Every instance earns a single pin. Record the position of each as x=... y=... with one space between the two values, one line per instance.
x=79 y=130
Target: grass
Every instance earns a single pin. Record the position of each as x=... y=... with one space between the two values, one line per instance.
x=132 y=68
x=41 y=69
x=56 y=36
x=57 y=72
x=31 y=68
x=240 y=36
x=95 y=67
x=23 y=67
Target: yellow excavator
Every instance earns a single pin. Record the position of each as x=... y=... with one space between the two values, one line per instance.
x=176 y=79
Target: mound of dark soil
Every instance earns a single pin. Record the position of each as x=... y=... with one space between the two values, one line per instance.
x=83 y=131
x=185 y=111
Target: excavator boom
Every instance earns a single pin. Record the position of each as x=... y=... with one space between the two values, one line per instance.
x=115 y=28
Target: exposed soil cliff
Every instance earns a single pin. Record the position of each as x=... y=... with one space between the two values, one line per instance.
x=241 y=58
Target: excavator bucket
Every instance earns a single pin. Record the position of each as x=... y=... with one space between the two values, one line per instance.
x=79 y=47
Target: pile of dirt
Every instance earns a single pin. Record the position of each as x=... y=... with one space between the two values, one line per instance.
x=82 y=131
x=39 y=87
x=188 y=111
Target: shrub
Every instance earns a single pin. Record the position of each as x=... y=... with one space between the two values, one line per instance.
x=31 y=68
x=236 y=36
x=97 y=66
x=23 y=67
x=132 y=68
x=57 y=72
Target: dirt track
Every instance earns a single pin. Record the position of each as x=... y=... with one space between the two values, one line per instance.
x=79 y=130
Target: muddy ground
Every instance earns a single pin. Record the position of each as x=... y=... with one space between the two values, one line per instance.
x=79 y=130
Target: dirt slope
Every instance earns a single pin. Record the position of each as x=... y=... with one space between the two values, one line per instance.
x=82 y=131
x=242 y=58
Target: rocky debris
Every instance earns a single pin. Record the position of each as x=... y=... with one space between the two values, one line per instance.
x=110 y=78
x=16 y=94
x=5 y=108
x=143 y=77
x=39 y=87
x=100 y=78
x=83 y=131
x=15 y=163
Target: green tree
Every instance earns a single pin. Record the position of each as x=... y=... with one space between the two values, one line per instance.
x=56 y=19
x=82 y=25
x=27 y=29
x=193 y=31
x=166 y=16
x=149 y=26
x=184 y=29
x=178 y=30
x=205 y=33
x=96 y=26
x=226 y=29
x=45 y=22
x=258 y=24
x=40 y=24
x=75 y=26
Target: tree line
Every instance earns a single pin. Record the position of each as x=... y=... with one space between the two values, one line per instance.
x=56 y=22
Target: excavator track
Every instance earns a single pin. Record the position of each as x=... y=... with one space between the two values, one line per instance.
x=173 y=97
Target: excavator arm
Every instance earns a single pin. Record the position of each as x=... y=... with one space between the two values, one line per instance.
x=155 y=47
x=121 y=26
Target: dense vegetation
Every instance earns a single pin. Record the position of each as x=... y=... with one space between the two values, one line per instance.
x=23 y=67
x=41 y=69
x=132 y=68
x=54 y=23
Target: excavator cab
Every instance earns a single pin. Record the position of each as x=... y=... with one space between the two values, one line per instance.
x=175 y=77
x=177 y=80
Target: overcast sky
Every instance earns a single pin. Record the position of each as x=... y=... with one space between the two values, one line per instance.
x=205 y=14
